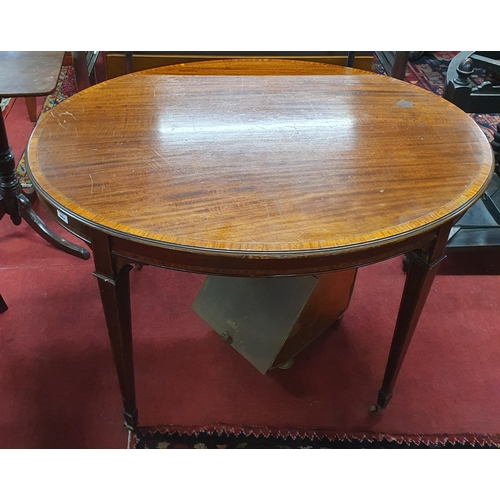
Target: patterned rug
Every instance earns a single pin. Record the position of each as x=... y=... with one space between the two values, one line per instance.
x=165 y=439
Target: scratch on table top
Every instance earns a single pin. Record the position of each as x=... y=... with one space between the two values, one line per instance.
x=58 y=121
x=162 y=157
x=328 y=138
x=91 y=185
x=67 y=113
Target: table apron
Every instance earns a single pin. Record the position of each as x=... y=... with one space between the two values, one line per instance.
x=205 y=262
x=127 y=251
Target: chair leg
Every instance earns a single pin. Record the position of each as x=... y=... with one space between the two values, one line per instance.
x=31 y=105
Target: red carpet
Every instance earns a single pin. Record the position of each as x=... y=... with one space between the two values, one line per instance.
x=58 y=386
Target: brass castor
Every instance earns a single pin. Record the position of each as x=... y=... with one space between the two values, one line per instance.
x=375 y=408
x=286 y=365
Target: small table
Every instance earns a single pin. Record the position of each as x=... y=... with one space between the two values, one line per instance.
x=243 y=170
x=25 y=74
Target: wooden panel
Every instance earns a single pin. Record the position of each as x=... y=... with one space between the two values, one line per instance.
x=68 y=60
x=115 y=63
x=327 y=303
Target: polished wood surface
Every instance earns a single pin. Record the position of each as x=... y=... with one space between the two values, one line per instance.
x=29 y=73
x=260 y=164
x=253 y=168
x=250 y=67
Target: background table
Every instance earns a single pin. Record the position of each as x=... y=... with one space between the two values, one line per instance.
x=257 y=173
x=27 y=74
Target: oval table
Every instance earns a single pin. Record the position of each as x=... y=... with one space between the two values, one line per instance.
x=255 y=168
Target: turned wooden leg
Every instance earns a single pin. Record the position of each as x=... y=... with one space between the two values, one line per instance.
x=422 y=268
x=114 y=287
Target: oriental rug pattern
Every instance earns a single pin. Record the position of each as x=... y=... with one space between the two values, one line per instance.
x=231 y=438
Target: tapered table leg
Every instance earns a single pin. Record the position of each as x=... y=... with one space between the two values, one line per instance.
x=114 y=288
x=422 y=268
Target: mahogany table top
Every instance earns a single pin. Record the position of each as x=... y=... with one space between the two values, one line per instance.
x=30 y=73
x=259 y=164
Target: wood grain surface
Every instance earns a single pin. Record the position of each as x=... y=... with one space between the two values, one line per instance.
x=29 y=73
x=243 y=160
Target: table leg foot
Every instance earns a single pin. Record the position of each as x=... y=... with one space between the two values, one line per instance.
x=383 y=400
x=48 y=235
x=130 y=419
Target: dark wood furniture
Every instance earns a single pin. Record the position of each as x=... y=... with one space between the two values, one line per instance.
x=84 y=64
x=473 y=84
x=258 y=169
x=121 y=63
x=25 y=74
x=394 y=63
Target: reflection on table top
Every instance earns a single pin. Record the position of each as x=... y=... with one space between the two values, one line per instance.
x=259 y=164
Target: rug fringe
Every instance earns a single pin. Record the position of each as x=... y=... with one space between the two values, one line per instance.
x=482 y=440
